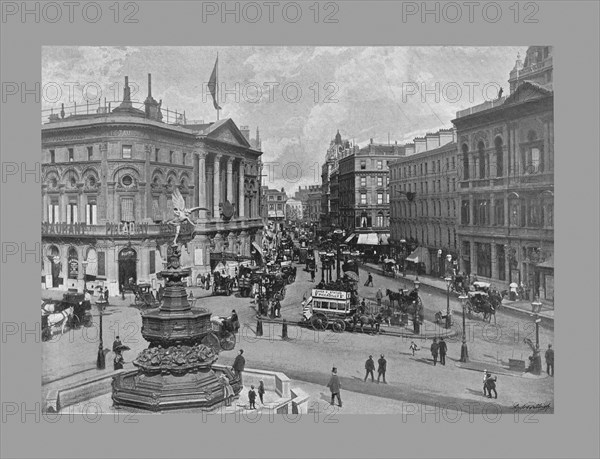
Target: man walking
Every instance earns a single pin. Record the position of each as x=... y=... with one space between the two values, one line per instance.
x=550 y=360
x=434 y=351
x=370 y=367
x=379 y=296
x=369 y=282
x=381 y=369
x=116 y=343
x=490 y=384
x=238 y=365
x=443 y=348
x=334 y=386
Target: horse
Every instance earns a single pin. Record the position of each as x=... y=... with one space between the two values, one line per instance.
x=369 y=319
x=60 y=318
x=48 y=308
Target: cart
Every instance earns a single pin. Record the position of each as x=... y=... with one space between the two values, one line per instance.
x=222 y=335
x=144 y=296
x=328 y=308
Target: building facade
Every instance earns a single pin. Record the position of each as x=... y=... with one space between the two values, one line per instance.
x=107 y=186
x=506 y=181
x=293 y=210
x=365 y=195
x=275 y=201
x=428 y=221
x=314 y=204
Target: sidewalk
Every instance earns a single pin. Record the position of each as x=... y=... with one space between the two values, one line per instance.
x=547 y=311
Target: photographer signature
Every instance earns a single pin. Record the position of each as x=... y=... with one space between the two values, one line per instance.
x=532 y=406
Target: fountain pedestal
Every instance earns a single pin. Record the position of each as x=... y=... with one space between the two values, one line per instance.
x=175 y=371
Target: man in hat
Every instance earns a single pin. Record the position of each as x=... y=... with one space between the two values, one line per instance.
x=370 y=368
x=381 y=369
x=490 y=384
x=379 y=296
x=235 y=322
x=334 y=386
x=116 y=343
x=434 y=351
x=485 y=373
x=238 y=365
x=550 y=360
x=443 y=348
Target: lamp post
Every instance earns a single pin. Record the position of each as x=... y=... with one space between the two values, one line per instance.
x=100 y=360
x=464 y=352
x=448 y=316
x=537 y=359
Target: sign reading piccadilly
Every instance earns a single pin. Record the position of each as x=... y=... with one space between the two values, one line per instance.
x=332 y=294
x=118 y=229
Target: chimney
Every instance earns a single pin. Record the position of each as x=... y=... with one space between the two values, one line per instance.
x=409 y=149
x=245 y=130
x=432 y=141
x=446 y=136
x=152 y=107
x=149 y=86
x=420 y=144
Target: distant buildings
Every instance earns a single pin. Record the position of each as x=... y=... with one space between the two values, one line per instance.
x=274 y=201
x=293 y=210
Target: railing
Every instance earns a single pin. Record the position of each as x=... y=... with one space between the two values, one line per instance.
x=97 y=109
x=481 y=107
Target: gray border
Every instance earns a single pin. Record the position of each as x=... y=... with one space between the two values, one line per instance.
x=572 y=27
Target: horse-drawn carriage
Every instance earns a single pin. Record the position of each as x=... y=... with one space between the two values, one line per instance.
x=288 y=271
x=222 y=284
x=408 y=304
x=328 y=308
x=144 y=296
x=73 y=311
x=389 y=267
x=482 y=301
x=223 y=333
x=247 y=279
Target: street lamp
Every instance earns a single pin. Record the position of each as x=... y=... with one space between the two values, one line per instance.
x=84 y=265
x=100 y=360
x=448 y=316
x=537 y=359
x=464 y=352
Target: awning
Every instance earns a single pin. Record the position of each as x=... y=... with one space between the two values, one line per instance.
x=383 y=238
x=368 y=239
x=348 y=239
x=362 y=239
x=419 y=255
x=548 y=264
x=259 y=251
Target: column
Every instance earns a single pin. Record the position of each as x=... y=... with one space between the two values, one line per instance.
x=241 y=201
x=80 y=275
x=229 y=196
x=110 y=207
x=494 y=256
x=45 y=203
x=471 y=210
x=216 y=185
x=506 y=211
x=63 y=206
x=492 y=210
x=473 y=256
x=202 y=184
x=546 y=154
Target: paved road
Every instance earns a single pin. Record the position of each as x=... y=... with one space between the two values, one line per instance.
x=308 y=355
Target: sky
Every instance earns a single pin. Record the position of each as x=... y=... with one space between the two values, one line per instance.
x=298 y=97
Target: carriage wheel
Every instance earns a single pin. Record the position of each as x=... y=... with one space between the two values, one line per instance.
x=338 y=326
x=319 y=322
x=227 y=341
x=211 y=340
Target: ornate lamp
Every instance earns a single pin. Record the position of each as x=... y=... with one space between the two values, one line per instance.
x=448 y=316
x=464 y=352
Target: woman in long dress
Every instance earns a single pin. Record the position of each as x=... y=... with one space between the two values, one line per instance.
x=228 y=392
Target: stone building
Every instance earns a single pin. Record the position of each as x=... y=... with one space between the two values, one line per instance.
x=310 y=196
x=365 y=197
x=274 y=201
x=506 y=183
x=108 y=178
x=427 y=224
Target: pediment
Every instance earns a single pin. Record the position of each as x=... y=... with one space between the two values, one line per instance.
x=227 y=131
x=527 y=91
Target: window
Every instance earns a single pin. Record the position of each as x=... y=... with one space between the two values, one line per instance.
x=421 y=168
x=453 y=184
x=480 y=149
x=156 y=213
x=380 y=219
x=171 y=156
x=71 y=213
x=91 y=213
x=425 y=168
x=499 y=213
x=156 y=154
x=465 y=150
x=387 y=198
x=101 y=264
x=448 y=185
x=439 y=167
x=53 y=213
x=379 y=198
x=482 y=212
x=52 y=157
x=127 y=180
x=279 y=206
x=453 y=163
x=447 y=164
x=271 y=206
x=90 y=151
x=363 y=198
x=465 y=212
x=184 y=158
x=379 y=164
x=454 y=208
x=363 y=164
x=71 y=155
x=363 y=181
x=387 y=180
x=127 y=214
x=499 y=157
x=448 y=209
x=380 y=181
x=126 y=150
x=484 y=259
x=279 y=198
x=152 y=261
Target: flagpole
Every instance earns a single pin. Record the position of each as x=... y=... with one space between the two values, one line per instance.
x=217 y=85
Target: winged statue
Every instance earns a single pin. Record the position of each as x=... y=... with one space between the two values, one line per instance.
x=182 y=214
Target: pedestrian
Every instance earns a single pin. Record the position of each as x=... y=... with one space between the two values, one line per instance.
x=118 y=361
x=550 y=360
x=485 y=373
x=369 y=282
x=261 y=392
x=363 y=306
x=490 y=383
x=235 y=322
x=208 y=281
x=413 y=347
x=381 y=369
x=106 y=295
x=379 y=296
x=370 y=368
x=238 y=365
x=443 y=348
x=335 y=386
x=434 y=351
x=252 y=398
x=116 y=343
x=228 y=392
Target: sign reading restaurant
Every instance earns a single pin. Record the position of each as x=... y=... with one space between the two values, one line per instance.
x=330 y=294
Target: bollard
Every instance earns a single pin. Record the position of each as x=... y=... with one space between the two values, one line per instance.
x=284 y=331
x=259 y=329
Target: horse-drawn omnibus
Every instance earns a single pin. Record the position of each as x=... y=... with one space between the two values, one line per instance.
x=328 y=308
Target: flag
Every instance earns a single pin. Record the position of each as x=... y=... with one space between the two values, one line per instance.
x=212 y=85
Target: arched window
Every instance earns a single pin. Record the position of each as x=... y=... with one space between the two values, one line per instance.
x=465 y=152
x=499 y=157
x=481 y=150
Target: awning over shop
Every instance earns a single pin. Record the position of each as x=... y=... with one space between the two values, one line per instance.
x=348 y=239
x=368 y=239
x=259 y=251
x=383 y=238
x=419 y=255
